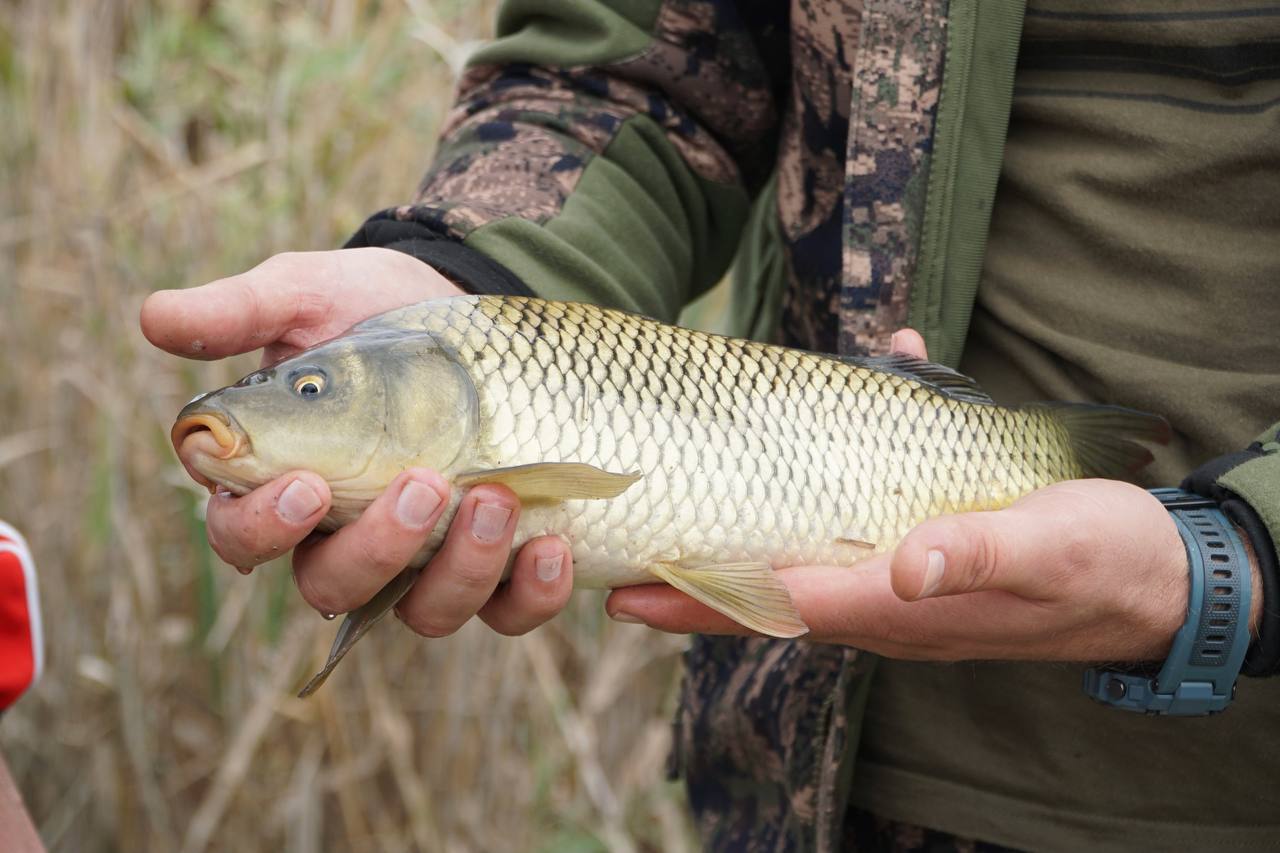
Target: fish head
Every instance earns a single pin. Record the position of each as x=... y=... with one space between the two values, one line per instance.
x=357 y=410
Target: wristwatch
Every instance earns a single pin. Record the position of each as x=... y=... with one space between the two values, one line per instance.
x=1199 y=675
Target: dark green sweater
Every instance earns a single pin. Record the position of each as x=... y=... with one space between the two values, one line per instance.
x=1134 y=254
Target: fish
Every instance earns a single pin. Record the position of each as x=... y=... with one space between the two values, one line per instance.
x=661 y=453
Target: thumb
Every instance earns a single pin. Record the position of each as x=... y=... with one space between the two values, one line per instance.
x=908 y=342
x=957 y=554
x=232 y=315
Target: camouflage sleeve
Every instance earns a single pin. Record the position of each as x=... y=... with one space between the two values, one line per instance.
x=607 y=151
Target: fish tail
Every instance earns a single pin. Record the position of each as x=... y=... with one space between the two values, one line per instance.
x=1105 y=439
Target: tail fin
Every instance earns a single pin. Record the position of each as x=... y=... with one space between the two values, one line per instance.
x=1105 y=438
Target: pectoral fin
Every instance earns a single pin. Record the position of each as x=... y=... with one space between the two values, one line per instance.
x=748 y=593
x=359 y=621
x=553 y=481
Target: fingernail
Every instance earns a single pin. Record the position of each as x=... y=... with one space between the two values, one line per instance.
x=935 y=562
x=297 y=502
x=895 y=341
x=624 y=616
x=416 y=503
x=488 y=521
x=548 y=568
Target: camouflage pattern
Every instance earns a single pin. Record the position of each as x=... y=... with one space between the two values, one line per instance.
x=762 y=741
x=837 y=98
x=520 y=136
x=897 y=81
x=723 y=83
x=811 y=169
x=518 y=140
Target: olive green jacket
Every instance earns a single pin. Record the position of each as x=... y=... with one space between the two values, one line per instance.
x=843 y=155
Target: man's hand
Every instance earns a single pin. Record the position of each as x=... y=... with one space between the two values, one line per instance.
x=1087 y=570
x=286 y=304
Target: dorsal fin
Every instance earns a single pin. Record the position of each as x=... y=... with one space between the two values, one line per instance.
x=948 y=382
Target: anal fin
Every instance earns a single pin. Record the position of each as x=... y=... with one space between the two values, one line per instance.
x=748 y=593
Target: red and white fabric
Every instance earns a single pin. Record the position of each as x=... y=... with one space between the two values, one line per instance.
x=21 y=640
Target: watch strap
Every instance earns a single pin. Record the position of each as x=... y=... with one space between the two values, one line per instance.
x=1199 y=675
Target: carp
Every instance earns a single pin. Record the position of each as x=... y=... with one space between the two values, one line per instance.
x=661 y=454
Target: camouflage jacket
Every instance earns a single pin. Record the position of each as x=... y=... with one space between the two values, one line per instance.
x=625 y=152
x=843 y=155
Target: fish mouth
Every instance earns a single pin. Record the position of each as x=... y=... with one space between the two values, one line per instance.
x=207 y=432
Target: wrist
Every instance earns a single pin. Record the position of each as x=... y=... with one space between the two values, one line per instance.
x=1255 y=581
x=471 y=271
x=1241 y=483
x=1167 y=602
x=1198 y=675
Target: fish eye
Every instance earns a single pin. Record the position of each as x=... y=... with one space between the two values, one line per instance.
x=309 y=385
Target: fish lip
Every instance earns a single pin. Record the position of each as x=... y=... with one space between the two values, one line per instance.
x=226 y=432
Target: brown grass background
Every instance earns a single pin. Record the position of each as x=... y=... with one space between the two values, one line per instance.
x=152 y=144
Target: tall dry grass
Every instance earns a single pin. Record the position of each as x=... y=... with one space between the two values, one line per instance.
x=152 y=144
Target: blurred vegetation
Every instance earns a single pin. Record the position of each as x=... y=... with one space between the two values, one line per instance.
x=152 y=144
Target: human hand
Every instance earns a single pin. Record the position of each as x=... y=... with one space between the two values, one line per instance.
x=1086 y=570
x=286 y=304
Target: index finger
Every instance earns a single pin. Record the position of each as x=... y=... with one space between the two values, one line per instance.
x=268 y=521
x=834 y=601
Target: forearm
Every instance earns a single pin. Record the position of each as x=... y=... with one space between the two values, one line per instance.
x=1255 y=583
x=594 y=155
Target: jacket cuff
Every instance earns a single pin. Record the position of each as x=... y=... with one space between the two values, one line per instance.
x=472 y=271
x=1247 y=486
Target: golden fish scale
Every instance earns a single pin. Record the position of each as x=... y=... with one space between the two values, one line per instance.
x=749 y=452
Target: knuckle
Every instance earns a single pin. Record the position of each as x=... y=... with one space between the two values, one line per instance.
x=213 y=533
x=511 y=627
x=474 y=578
x=539 y=609
x=377 y=554
x=473 y=575
x=318 y=598
x=984 y=553
x=280 y=262
x=237 y=544
x=426 y=625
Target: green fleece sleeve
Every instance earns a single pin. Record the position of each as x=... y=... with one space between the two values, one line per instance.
x=1257 y=482
x=608 y=151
